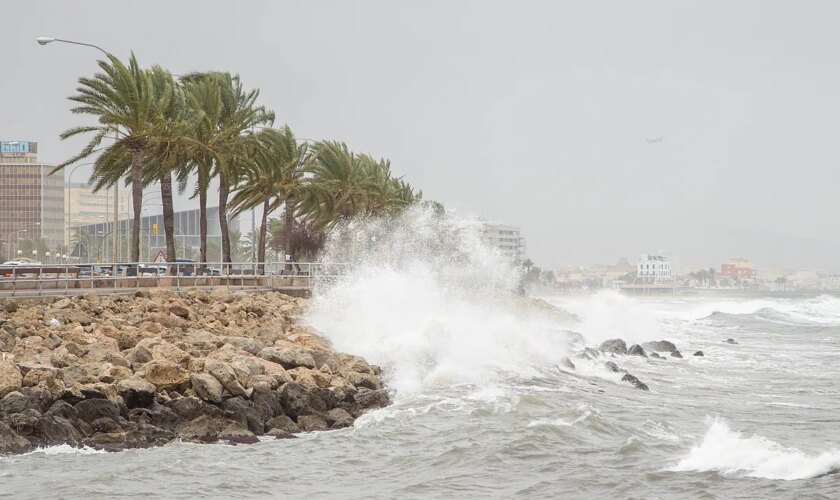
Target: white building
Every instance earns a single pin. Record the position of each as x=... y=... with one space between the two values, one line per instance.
x=654 y=269
x=507 y=239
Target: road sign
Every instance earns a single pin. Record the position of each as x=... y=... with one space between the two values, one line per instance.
x=160 y=257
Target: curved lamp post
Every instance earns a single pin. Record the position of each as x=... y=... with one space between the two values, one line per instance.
x=43 y=40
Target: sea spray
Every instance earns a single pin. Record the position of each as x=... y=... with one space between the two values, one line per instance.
x=728 y=452
x=429 y=301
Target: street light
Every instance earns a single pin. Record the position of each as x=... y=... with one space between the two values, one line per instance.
x=43 y=40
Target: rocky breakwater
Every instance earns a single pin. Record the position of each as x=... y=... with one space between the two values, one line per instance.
x=114 y=372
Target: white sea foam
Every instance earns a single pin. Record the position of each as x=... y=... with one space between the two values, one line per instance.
x=66 y=449
x=728 y=452
x=433 y=311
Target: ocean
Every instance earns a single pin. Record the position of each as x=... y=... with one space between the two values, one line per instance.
x=483 y=407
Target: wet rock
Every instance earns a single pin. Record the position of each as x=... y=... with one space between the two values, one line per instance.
x=204 y=428
x=53 y=429
x=699 y=353
x=656 y=355
x=158 y=416
x=297 y=401
x=283 y=423
x=635 y=382
x=660 y=346
x=11 y=442
x=636 y=350
x=567 y=363
x=612 y=367
x=364 y=380
x=614 y=346
x=244 y=412
x=731 y=341
x=136 y=392
x=280 y=434
x=676 y=354
x=310 y=423
x=207 y=387
x=236 y=433
x=92 y=409
x=14 y=402
x=63 y=409
x=369 y=399
x=338 y=418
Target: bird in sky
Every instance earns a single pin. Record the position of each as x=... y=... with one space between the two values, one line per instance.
x=654 y=141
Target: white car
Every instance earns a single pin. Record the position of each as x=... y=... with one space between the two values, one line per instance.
x=20 y=262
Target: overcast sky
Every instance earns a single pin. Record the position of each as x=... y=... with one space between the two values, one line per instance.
x=534 y=113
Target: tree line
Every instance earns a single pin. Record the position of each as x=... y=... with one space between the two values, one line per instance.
x=155 y=128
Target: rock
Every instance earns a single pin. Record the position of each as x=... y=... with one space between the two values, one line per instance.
x=224 y=373
x=655 y=355
x=158 y=416
x=338 y=418
x=310 y=423
x=204 y=429
x=236 y=433
x=54 y=430
x=207 y=387
x=636 y=350
x=287 y=358
x=62 y=304
x=63 y=409
x=165 y=374
x=614 y=346
x=567 y=363
x=136 y=392
x=364 y=380
x=297 y=401
x=660 y=346
x=699 y=353
x=280 y=434
x=635 y=382
x=247 y=344
x=10 y=377
x=244 y=412
x=92 y=409
x=369 y=399
x=282 y=423
x=14 y=402
x=191 y=408
x=170 y=352
x=676 y=354
x=731 y=341
x=10 y=441
x=609 y=365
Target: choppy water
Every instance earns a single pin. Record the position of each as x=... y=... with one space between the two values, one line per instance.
x=482 y=411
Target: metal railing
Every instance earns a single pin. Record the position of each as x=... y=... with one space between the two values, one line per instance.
x=69 y=279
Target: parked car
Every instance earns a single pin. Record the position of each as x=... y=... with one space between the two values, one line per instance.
x=185 y=267
x=92 y=270
x=16 y=263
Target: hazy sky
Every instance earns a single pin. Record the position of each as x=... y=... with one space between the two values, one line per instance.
x=534 y=113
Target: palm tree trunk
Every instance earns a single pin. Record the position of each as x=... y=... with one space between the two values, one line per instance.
x=263 y=233
x=289 y=228
x=224 y=190
x=168 y=217
x=136 y=202
x=202 y=216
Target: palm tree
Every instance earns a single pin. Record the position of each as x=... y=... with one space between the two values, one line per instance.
x=274 y=178
x=124 y=100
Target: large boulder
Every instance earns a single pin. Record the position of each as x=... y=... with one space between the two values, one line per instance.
x=188 y=408
x=244 y=412
x=11 y=442
x=363 y=380
x=283 y=423
x=338 y=418
x=225 y=374
x=298 y=401
x=660 y=346
x=165 y=374
x=207 y=387
x=635 y=382
x=369 y=399
x=136 y=392
x=287 y=357
x=10 y=377
x=92 y=409
x=310 y=423
x=636 y=350
x=235 y=433
x=614 y=346
x=53 y=430
x=203 y=429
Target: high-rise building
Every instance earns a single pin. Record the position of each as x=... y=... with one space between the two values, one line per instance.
x=85 y=207
x=507 y=239
x=31 y=200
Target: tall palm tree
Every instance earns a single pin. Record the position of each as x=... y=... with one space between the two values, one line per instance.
x=275 y=177
x=124 y=101
x=338 y=189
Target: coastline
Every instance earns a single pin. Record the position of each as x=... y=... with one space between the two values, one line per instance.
x=115 y=372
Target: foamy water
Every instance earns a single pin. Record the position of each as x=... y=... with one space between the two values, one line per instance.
x=483 y=407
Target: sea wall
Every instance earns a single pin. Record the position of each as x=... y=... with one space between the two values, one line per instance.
x=117 y=372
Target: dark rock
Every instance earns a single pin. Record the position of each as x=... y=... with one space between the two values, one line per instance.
x=282 y=423
x=731 y=341
x=63 y=409
x=676 y=354
x=136 y=392
x=92 y=393
x=338 y=418
x=609 y=365
x=267 y=403
x=14 y=402
x=203 y=429
x=53 y=430
x=567 y=363
x=699 y=353
x=144 y=294
x=105 y=424
x=92 y=409
x=636 y=350
x=189 y=408
x=11 y=442
x=635 y=382
x=296 y=400
x=310 y=423
x=368 y=399
x=236 y=433
x=244 y=412
x=655 y=355
x=660 y=346
x=589 y=353
x=280 y=434
x=157 y=416
x=614 y=346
